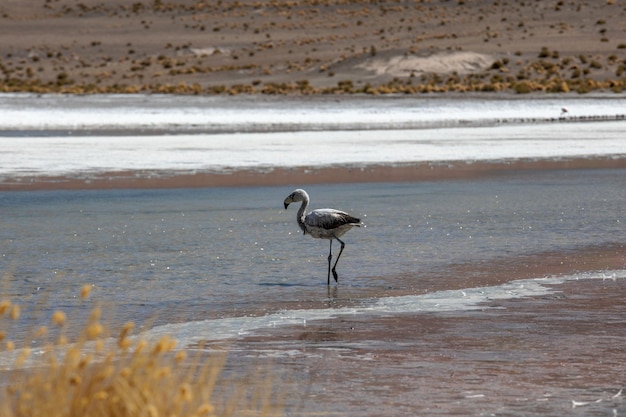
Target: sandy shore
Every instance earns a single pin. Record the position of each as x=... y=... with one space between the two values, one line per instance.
x=306 y=46
x=433 y=171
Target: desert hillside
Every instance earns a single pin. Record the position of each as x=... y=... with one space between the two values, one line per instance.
x=312 y=46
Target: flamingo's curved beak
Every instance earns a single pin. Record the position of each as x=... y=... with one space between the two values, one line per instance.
x=286 y=205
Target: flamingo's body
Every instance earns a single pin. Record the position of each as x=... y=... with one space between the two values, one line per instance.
x=323 y=224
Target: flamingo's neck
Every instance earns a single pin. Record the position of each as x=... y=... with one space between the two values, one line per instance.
x=301 y=211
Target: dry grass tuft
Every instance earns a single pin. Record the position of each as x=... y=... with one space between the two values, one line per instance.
x=120 y=375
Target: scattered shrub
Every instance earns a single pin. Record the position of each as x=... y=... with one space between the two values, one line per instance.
x=522 y=88
x=545 y=52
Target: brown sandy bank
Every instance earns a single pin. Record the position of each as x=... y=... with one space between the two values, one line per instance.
x=432 y=171
x=311 y=46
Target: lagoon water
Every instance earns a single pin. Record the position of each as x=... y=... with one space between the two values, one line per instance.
x=226 y=264
x=195 y=254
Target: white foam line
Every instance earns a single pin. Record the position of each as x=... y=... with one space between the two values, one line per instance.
x=440 y=301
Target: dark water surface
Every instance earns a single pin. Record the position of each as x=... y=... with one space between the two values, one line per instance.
x=191 y=254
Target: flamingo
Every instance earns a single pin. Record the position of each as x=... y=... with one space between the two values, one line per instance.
x=323 y=224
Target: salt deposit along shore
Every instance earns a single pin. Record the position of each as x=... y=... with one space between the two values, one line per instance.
x=164 y=141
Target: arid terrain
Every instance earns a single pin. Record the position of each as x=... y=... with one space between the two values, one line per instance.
x=312 y=46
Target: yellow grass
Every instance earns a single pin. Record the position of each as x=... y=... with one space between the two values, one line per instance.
x=122 y=375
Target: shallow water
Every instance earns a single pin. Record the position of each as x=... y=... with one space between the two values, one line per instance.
x=172 y=256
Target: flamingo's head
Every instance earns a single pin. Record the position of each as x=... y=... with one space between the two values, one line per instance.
x=296 y=195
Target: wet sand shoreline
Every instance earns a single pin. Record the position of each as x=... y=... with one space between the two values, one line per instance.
x=273 y=176
x=553 y=354
x=536 y=355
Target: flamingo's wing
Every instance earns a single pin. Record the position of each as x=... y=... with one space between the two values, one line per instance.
x=330 y=219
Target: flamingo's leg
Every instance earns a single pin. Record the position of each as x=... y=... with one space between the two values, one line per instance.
x=330 y=257
x=336 y=260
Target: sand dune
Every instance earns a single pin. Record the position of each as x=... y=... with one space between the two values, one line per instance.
x=439 y=63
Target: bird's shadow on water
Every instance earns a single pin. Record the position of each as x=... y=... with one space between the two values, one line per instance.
x=286 y=284
x=332 y=291
x=333 y=285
